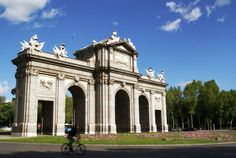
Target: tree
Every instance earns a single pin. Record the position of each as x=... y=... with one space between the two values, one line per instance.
x=232 y=106
x=191 y=93
x=2 y=99
x=170 y=99
x=223 y=104
x=174 y=110
x=207 y=98
x=69 y=109
x=6 y=113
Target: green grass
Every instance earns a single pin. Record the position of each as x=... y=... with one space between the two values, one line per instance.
x=138 y=139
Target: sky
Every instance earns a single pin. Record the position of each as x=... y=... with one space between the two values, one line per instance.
x=188 y=39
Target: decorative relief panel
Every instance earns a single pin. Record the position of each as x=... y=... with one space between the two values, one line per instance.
x=46 y=84
x=157 y=101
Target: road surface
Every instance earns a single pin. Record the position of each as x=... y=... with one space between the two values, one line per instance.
x=17 y=150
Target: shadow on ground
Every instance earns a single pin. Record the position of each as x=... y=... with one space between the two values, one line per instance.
x=131 y=152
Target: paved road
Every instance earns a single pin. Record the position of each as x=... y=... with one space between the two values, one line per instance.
x=15 y=150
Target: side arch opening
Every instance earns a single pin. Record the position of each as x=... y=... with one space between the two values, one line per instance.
x=122 y=111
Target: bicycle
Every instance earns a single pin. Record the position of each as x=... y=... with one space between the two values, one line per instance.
x=77 y=147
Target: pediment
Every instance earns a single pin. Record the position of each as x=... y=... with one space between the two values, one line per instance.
x=125 y=46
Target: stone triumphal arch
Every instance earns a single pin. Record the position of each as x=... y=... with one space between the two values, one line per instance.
x=109 y=94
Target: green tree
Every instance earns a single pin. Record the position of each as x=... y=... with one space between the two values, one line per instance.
x=208 y=101
x=223 y=104
x=69 y=109
x=6 y=113
x=2 y=99
x=191 y=93
x=174 y=109
x=232 y=107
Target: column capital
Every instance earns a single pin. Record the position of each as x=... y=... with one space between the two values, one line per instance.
x=91 y=81
x=111 y=82
x=164 y=93
x=31 y=72
x=152 y=91
x=61 y=76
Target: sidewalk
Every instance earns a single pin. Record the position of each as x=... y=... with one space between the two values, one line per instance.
x=7 y=137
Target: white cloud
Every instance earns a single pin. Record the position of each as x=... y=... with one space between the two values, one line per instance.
x=221 y=3
x=187 y=12
x=52 y=13
x=195 y=2
x=4 y=88
x=221 y=19
x=177 y=8
x=37 y=25
x=217 y=4
x=171 y=26
x=209 y=10
x=194 y=15
x=18 y=11
x=115 y=23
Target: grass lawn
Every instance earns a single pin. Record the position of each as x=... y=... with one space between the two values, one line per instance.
x=196 y=137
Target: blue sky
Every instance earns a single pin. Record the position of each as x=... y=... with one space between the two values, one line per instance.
x=188 y=39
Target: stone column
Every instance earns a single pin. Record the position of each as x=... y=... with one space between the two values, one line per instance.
x=30 y=103
x=17 y=126
x=137 y=127
x=102 y=104
x=59 y=106
x=152 y=113
x=105 y=105
x=91 y=106
x=164 y=116
x=111 y=106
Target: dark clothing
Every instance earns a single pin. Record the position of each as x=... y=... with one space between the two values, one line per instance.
x=72 y=135
x=72 y=132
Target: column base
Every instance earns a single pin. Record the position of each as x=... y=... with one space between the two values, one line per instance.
x=60 y=129
x=91 y=128
x=165 y=128
x=153 y=128
x=137 y=128
x=24 y=129
x=112 y=129
x=101 y=128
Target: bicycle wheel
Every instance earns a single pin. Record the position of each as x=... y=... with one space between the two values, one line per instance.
x=80 y=149
x=65 y=148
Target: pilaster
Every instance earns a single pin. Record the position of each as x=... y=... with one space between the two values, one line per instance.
x=137 y=127
x=152 y=113
x=91 y=106
x=59 y=106
x=29 y=122
x=111 y=106
x=164 y=116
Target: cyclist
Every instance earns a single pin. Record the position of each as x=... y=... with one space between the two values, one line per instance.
x=72 y=134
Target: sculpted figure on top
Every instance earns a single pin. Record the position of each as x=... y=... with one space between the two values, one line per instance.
x=161 y=76
x=33 y=44
x=150 y=72
x=60 y=52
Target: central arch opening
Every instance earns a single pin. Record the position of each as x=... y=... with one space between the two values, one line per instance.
x=144 y=114
x=75 y=107
x=122 y=114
